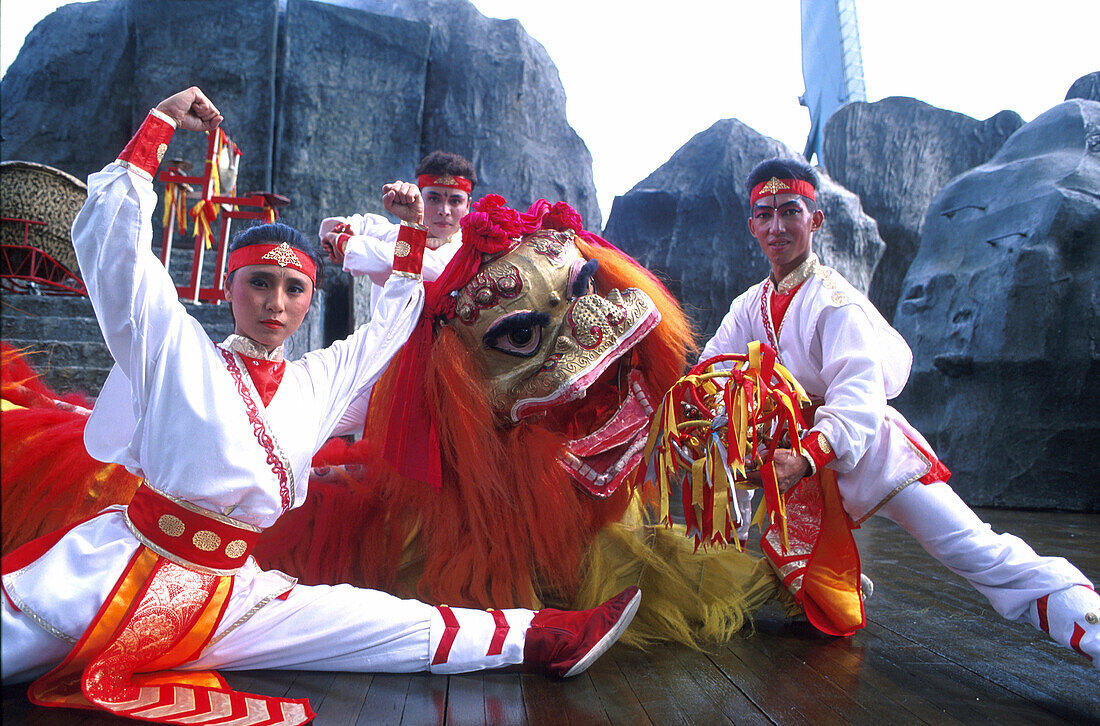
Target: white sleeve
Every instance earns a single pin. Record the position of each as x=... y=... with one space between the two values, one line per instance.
x=370 y=250
x=134 y=299
x=855 y=396
x=354 y=417
x=348 y=368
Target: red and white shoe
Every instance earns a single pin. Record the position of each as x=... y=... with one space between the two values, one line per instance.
x=564 y=643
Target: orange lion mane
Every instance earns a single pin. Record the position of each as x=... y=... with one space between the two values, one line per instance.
x=507 y=527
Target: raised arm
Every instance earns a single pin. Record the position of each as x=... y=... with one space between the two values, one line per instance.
x=349 y=367
x=133 y=297
x=364 y=244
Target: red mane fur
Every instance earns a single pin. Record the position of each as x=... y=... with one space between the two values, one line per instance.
x=507 y=528
x=47 y=478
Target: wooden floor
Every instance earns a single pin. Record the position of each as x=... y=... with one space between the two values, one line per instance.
x=933 y=652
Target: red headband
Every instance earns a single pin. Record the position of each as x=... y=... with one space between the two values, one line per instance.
x=282 y=255
x=444 y=180
x=776 y=185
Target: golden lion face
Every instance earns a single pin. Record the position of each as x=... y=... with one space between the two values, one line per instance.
x=544 y=334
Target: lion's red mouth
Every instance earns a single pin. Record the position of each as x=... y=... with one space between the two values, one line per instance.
x=600 y=461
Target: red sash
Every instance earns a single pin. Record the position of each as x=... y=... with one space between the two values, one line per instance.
x=820 y=565
x=161 y=614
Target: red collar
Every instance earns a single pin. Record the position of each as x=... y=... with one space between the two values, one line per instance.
x=266 y=375
x=780 y=302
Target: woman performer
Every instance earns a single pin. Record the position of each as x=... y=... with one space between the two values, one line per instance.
x=130 y=610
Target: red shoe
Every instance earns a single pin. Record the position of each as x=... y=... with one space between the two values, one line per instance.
x=563 y=643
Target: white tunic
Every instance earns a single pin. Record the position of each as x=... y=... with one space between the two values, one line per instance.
x=838 y=346
x=171 y=411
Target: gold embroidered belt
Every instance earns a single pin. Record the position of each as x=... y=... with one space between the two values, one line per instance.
x=189 y=535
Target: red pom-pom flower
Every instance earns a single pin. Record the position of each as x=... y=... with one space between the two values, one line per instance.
x=493 y=226
x=562 y=217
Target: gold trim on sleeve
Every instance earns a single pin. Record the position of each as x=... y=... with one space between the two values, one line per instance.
x=164 y=117
x=135 y=169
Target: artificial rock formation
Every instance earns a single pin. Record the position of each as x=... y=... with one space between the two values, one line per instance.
x=895 y=154
x=1000 y=307
x=326 y=102
x=688 y=222
x=493 y=95
x=1086 y=87
x=49 y=114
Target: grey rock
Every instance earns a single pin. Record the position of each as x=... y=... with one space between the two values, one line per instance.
x=493 y=94
x=1086 y=87
x=360 y=301
x=68 y=104
x=1002 y=308
x=350 y=110
x=351 y=89
x=688 y=222
x=895 y=154
x=226 y=49
x=326 y=102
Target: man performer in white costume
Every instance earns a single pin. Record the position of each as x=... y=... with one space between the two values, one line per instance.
x=363 y=243
x=851 y=362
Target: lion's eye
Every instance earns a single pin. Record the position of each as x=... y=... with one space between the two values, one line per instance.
x=522 y=341
x=519 y=334
x=522 y=336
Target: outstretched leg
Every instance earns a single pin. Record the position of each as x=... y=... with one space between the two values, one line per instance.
x=344 y=628
x=1003 y=567
x=28 y=650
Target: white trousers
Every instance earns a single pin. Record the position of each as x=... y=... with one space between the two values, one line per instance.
x=1002 y=567
x=319 y=627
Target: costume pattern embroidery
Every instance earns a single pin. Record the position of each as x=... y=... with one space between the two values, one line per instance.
x=259 y=429
x=765 y=315
x=166 y=613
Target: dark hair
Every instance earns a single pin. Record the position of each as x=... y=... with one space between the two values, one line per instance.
x=277 y=233
x=444 y=162
x=784 y=169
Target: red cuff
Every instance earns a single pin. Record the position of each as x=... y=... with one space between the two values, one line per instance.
x=145 y=151
x=342 y=242
x=817 y=446
x=408 y=253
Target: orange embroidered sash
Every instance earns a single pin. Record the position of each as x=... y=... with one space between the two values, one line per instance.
x=160 y=615
x=820 y=565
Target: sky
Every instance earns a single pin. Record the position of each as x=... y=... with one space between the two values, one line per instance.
x=642 y=78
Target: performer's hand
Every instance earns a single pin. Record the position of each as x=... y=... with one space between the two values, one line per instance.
x=332 y=249
x=330 y=240
x=192 y=110
x=790 y=467
x=403 y=200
